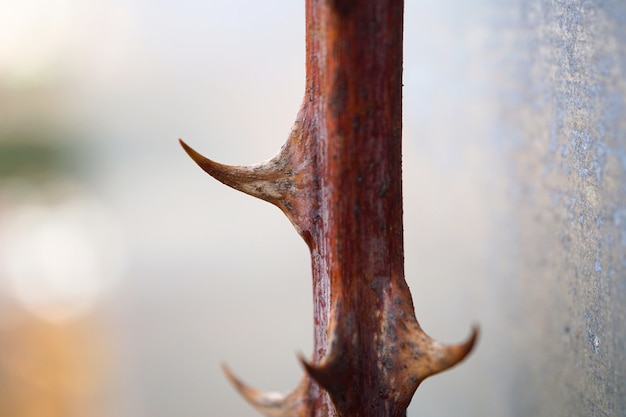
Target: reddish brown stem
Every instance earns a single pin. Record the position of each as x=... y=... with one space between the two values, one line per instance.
x=354 y=83
x=339 y=181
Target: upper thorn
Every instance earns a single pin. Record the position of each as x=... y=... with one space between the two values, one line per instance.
x=267 y=181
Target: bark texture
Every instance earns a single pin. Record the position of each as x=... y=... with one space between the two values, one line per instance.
x=338 y=179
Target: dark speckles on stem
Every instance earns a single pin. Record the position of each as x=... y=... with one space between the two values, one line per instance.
x=387 y=363
x=391 y=334
x=378 y=283
x=383 y=186
x=356 y=124
x=338 y=99
x=341 y=7
x=383 y=393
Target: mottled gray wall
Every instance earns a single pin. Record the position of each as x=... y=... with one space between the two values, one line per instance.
x=563 y=127
x=567 y=110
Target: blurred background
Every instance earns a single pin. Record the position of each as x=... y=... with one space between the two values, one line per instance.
x=127 y=275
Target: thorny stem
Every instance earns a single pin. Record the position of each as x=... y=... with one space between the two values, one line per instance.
x=338 y=179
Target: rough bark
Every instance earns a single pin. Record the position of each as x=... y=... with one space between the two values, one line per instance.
x=338 y=179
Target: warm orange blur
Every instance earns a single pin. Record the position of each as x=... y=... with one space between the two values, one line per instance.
x=51 y=369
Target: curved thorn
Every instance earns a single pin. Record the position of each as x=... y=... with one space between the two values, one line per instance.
x=266 y=181
x=270 y=404
x=456 y=353
x=444 y=356
x=318 y=373
x=333 y=371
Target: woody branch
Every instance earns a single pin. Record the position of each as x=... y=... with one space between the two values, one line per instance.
x=338 y=179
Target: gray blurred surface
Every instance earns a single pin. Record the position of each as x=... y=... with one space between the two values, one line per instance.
x=564 y=102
